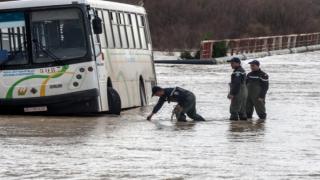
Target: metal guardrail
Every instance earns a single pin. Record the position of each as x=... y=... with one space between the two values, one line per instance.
x=260 y=44
x=196 y=61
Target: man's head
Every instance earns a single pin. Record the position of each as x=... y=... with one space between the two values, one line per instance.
x=157 y=91
x=254 y=65
x=235 y=63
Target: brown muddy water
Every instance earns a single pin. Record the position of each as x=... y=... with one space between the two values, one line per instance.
x=286 y=146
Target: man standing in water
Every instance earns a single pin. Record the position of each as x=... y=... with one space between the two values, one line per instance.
x=186 y=102
x=238 y=91
x=258 y=86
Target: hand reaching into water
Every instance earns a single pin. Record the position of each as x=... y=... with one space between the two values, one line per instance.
x=149 y=118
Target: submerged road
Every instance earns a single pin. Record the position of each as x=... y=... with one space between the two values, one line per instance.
x=286 y=146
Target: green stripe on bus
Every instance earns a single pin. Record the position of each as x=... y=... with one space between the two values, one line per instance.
x=58 y=74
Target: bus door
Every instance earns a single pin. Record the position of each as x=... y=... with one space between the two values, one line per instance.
x=100 y=64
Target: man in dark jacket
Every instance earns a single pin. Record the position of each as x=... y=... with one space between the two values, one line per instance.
x=238 y=91
x=258 y=86
x=186 y=102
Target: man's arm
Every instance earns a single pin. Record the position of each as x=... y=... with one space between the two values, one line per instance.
x=247 y=78
x=264 y=79
x=235 y=84
x=156 y=108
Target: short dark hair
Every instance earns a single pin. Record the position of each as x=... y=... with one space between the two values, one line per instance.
x=156 y=89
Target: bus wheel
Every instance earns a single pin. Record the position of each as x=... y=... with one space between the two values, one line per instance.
x=143 y=99
x=114 y=101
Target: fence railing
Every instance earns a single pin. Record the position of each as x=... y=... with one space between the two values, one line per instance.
x=259 y=44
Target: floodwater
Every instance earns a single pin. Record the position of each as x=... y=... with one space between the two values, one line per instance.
x=286 y=146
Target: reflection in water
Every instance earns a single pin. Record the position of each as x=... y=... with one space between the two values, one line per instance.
x=247 y=126
x=181 y=126
x=175 y=126
x=244 y=129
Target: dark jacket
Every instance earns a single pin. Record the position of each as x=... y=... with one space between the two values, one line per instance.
x=260 y=79
x=177 y=94
x=238 y=78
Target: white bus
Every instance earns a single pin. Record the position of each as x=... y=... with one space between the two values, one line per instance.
x=74 y=56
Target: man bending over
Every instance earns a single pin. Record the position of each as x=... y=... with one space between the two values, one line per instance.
x=186 y=103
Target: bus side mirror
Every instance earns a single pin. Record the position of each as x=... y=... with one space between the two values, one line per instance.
x=97 y=25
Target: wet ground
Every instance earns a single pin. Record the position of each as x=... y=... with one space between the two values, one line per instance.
x=286 y=146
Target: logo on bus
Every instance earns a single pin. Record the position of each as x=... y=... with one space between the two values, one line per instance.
x=22 y=91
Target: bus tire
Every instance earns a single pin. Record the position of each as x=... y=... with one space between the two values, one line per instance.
x=114 y=101
x=143 y=99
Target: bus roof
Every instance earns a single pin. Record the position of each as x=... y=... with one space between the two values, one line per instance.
x=94 y=3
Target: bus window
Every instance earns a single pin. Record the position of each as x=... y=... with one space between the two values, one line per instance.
x=13 y=39
x=122 y=27
x=115 y=29
x=147 y=30
x=108 y=32
x=141 y=24
x=135 y=31
x=103 y=40
x=58 y=34
x=129 y=29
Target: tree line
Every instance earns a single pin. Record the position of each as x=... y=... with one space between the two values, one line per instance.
x=182 y=24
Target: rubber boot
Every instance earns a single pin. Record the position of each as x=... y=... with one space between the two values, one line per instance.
x=234 y=117
x=262 y=116
x=243 y=117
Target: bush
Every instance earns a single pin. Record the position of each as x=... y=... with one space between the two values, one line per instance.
x=219 y=49
x=197 y=55
x=186 y=55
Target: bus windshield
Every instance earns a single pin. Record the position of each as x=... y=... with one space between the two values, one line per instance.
x=55 y=35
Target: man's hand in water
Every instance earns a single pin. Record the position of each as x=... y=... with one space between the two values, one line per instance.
x=149 y=118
